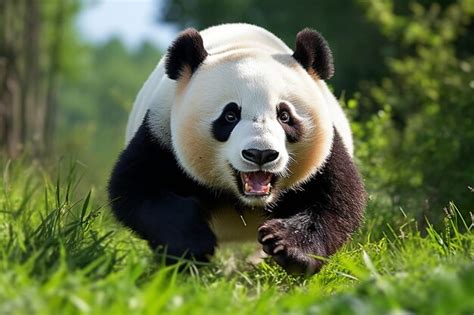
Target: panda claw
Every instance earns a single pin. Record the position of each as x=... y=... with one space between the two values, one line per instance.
x=267 y=238
x=278 y=249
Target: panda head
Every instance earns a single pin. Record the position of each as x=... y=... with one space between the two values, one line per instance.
x=247 y=121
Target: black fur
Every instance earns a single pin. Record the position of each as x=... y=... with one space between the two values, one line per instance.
x=313 y=53
x=221 y=128
x=294 y=128
x=151 y=195
x=186 y=51
x=317 y=219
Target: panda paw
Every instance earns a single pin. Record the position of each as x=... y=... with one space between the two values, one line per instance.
x=285 y=244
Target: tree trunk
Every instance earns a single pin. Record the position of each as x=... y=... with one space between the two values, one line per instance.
x=52 y=76
x=10 y=77
x=31 y=78
x=20 y=77
x=29 y=73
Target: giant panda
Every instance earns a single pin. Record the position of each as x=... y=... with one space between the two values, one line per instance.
x=236 y=137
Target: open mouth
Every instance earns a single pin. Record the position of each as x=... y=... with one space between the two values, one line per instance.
x=257 y=183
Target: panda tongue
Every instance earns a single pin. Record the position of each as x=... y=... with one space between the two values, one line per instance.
x=256 y=183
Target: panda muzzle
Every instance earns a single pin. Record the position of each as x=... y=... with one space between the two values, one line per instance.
x=256 y=183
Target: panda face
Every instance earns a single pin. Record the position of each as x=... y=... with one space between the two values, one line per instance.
x=252 y=124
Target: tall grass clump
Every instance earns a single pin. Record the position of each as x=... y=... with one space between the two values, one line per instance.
x=45 y=226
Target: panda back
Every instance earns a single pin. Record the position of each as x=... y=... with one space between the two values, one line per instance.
x=156 y=97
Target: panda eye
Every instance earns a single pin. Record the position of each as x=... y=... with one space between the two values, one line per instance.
x=284 y=117
x=231 y=117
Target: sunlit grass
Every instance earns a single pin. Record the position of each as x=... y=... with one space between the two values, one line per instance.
x=62 y=254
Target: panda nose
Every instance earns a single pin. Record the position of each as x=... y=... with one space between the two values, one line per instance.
x=260 y=157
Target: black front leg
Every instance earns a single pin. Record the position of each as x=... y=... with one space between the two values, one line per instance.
x=171 y=224
x=317 y=220
x=152 y=196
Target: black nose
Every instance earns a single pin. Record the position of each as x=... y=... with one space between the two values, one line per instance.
x=260 y=157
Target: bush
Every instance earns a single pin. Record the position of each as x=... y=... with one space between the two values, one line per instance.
x=424 y=148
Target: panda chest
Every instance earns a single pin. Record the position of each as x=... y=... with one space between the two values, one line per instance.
x=229 y=226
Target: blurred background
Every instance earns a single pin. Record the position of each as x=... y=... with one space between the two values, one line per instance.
x=70 y=70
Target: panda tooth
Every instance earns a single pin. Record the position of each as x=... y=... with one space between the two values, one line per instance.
x=247 y=187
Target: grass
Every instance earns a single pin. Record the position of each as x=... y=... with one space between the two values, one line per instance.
x=62 y=254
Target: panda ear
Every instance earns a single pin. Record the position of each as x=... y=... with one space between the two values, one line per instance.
x=185 y=54
x=313 y=53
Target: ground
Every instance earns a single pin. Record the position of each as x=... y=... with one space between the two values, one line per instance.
x=62 y=253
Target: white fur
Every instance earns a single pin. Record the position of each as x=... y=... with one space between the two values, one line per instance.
x=339 y=118
x=246 y=65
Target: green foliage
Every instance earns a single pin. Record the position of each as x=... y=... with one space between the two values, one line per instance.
x=94 y=105
x=59 y=254
x=70 y=48
x=430 y=93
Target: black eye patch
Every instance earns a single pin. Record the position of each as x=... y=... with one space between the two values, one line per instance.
x=293 y=127
x=229 y=118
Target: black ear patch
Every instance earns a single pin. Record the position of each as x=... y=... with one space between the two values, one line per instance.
x=313 y=53
x=186 y=51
